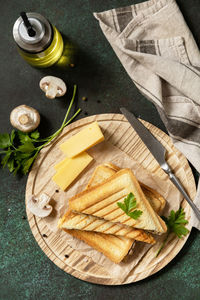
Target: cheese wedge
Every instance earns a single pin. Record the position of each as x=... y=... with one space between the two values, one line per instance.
x=101 y=201
x=115 y=248
x=83 y=140
x=71 y=170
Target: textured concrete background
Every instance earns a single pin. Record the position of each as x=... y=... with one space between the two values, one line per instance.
x=25 y=271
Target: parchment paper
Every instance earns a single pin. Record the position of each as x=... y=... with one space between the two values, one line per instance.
x=105 y=153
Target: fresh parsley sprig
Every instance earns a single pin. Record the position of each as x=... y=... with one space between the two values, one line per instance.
x=19 y=149
x=129 y=205
x=175 y=224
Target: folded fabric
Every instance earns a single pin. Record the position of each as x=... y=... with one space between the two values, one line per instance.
x=158 y=51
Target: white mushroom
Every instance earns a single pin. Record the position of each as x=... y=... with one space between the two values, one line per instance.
x=25 y=118
x=40 y=207
x=53 y=86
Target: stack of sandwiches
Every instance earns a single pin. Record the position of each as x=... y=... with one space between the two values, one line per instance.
x=94 y=216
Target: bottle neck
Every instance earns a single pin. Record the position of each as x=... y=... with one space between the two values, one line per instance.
x=43 y=33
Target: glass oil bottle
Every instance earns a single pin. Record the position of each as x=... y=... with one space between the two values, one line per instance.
x=38 y=41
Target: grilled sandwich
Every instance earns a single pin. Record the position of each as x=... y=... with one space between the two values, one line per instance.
x=101 y=201
x=113 y=247
x=103 y=172
x=73 y=220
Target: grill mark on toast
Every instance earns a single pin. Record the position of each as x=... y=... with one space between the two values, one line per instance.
x=84 y=227
x=111 y=227
x=101 y=200
x=123 y=222
x=74 y=216
x=110 y=212
x=127 y=231
x=105 y=206
x=120 y=216
x=101 y=225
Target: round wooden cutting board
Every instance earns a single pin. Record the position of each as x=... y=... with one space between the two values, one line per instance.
x=118 y=132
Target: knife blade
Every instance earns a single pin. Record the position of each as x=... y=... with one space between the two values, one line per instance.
x=159 y=152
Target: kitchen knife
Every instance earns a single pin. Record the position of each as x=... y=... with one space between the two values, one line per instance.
x=158 y=151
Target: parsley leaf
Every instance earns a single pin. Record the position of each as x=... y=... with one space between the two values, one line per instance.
x=12 y=136
x=135 y=214
x=17 y=168
x=175 y=224
x=130 y=202
x=35 y=135
x=11 y=164
x=122 y=206
x=5 y=140
x=180 y=230
x=128 y=205
x=6 y=158
x=176 y=221
x=23 y=137
x=26 y=147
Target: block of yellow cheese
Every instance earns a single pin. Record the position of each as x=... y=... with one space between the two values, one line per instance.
x=61 y=163
x=70 y=170
x=83 y=140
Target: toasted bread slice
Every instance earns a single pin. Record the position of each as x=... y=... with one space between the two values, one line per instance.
x=115 y=248
x=101 y=201
x=103 y=172
x=73 y=220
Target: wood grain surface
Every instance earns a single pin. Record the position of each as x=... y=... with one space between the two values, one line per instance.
x=118 y=132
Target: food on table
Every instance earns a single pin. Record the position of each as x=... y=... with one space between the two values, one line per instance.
x=77 y=159
x=102 y=201
x=175 y=224
x=53 y=87
x=113 y=247
x=114 y=239
x=25 y=118
x=39 y=206
x=83 y=140
x=73 y=220
x=71 y=169
x=103 y=172
x=61 y=163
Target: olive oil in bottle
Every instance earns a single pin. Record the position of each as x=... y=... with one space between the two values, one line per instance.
x=38 y=41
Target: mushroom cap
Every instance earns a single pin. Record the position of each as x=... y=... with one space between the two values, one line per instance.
x=40 y=207
x=25 y=118
x=53 y=86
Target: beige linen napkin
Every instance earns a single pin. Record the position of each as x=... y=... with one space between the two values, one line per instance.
x=159 y=53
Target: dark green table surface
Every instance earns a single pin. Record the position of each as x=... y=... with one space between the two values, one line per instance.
x=25 y=271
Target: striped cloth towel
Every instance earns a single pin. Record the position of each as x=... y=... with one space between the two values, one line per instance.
x=158 y=51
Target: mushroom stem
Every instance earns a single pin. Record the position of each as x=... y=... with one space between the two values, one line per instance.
x=51 y=91
x=24 y=119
